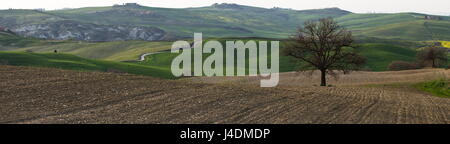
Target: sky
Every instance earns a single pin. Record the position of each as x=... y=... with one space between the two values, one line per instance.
x=438 y=7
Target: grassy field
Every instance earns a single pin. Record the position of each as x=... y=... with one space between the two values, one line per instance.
x=67 y=61
x=380 y=52
x=10 y=41
x=378 y=55
x=439 y=87
x=165 y=59
x=405 y=26
x=113 y=51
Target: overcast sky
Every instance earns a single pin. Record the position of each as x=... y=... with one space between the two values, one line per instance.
x=441 y=7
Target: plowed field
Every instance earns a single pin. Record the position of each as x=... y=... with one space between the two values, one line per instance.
x=43 y=95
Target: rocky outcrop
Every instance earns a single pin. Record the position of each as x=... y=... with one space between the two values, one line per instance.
x=63 y=30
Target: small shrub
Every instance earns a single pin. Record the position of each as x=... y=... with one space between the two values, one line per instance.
x=366 y=69
x=4 y=62
x=112 y=70
x=402 y=65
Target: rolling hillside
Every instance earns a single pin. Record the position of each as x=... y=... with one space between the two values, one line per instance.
x=380 y=52
x=406 y=26
x=383 y=38
x=218 y=20
x=71 y=62
x=231 y=20
x=9 y=41
x=379 y=55
x=85 y=65
x=112 y=51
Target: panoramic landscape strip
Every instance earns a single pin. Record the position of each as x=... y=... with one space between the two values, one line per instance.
x=223 y=63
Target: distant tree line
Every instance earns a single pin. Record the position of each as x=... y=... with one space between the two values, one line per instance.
x=432 y=56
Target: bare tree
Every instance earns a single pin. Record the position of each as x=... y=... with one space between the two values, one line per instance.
x=325 y=46
x=433 y=55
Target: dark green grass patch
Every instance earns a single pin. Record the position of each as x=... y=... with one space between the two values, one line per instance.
x=439 y=88
x=71 y=62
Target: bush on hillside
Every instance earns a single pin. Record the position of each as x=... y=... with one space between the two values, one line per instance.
x=113 y=70
x=402 y=65
x=4 y=62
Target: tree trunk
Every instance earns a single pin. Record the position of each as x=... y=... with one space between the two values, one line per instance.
x=323 y=79
x=434 y=64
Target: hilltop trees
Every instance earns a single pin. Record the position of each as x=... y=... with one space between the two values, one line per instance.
x=325 y=46
x=431 y=56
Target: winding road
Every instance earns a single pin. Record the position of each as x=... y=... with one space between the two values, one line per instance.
x=142 y=57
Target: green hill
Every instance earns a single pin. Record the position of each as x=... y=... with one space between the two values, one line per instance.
x=12 y=41
x=379 y=55
x=114 y=51
x=406 y=26
x=380 y=52
x=383 y=37
x=71 y=62
x=219 y=20
x=232 y=20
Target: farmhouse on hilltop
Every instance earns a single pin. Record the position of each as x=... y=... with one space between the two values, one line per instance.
x=3 y=28
x=430 y=17
x=128 y=5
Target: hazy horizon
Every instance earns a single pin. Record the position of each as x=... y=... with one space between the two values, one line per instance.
x=435 y=7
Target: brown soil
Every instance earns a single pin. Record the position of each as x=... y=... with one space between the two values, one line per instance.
x=42 y=95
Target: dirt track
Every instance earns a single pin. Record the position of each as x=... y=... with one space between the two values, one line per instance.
x=40 y=95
